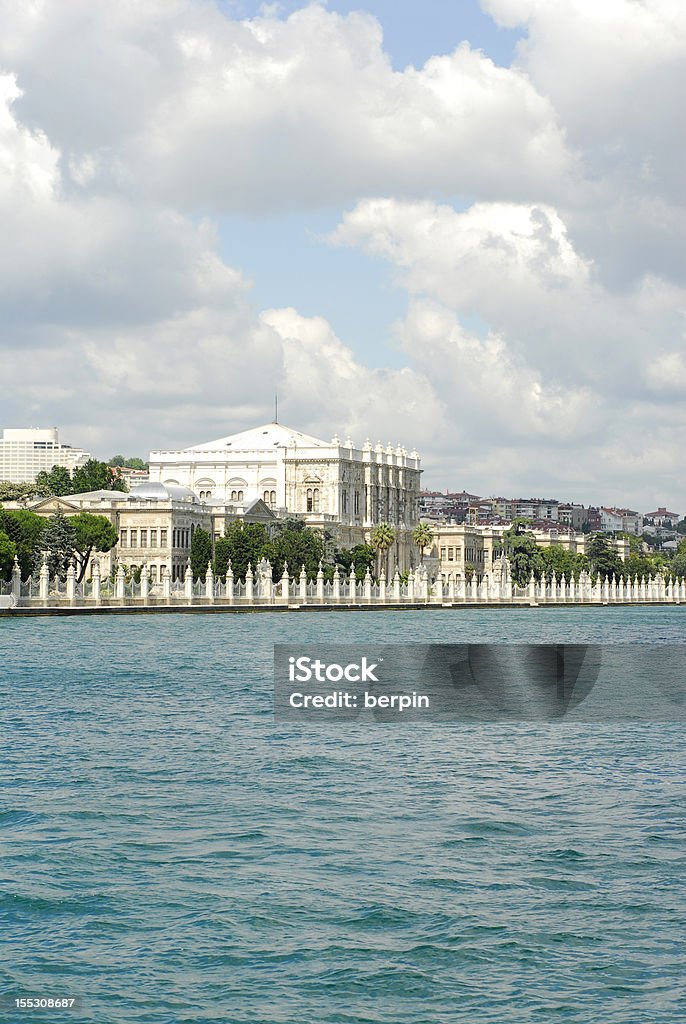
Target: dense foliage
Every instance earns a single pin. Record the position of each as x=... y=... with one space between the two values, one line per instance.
x=92 y=476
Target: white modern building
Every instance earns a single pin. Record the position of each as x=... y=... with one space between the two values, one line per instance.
x=25 y=452
x=332 y=485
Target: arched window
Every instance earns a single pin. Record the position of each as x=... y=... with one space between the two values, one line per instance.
x=234 y=495
x=272 y=498
x=315 y=500
x=208 y=494
x=265 y=497
x=240 y=495
x=202 y=494
x=309 y=499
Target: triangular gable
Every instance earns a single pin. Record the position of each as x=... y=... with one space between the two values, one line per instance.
x=53 y=504
x=258 y=509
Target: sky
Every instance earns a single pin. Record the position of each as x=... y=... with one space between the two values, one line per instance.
x=457 y=226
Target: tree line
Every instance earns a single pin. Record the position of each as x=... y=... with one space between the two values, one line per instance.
x=601 y=558
x=26 y=535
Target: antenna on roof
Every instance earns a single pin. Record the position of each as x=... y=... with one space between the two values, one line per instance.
x=276 y=407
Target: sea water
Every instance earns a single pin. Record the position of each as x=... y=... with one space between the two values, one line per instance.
x=173 y=854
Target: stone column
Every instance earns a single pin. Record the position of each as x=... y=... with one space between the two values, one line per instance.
x=209 y=583
x=302 y=581
x=249 y=584
x=119 y=583
x=166 y=584
x=285 y=583
x=382 y=587
x=320 y=584
x=188 y=582
x=438 y=588
x=396 y=585
x=44 y=579
x=16 y=581
x=367 y=585
x=96 y=581
x=336 y=584
x=145 y=583
x=71 y=582
x=352 y=586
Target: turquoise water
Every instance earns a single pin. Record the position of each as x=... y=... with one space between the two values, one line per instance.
x=170 y=854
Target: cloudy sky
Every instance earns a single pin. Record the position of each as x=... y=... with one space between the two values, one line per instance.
x=456 y=225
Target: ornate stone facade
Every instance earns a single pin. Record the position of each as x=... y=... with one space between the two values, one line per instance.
x=331 y=485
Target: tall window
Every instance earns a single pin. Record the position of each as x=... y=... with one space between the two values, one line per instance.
x=272 y=498
x=122 y=538
x=144 y=538
x=240 y=495
x=315 y=500
x=234 y=495
x=310 y=500
x=153 y=538
x=163 y=543
x=134 y=539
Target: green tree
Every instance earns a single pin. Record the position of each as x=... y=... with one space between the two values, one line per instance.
x=678 y=566
x=16 y=492
x=8 y=550
x=422 y=535
x=117 y=461
x=96 y=476
x=562 y=562
x=25 y=529
x=201 y=553
x=361 y=556
x=90 y=533
x=603 y=557
x=681 y=526
x=383 y=539
x=245 y=543
x=297 y=544
x=56 y=481
x=58 y=540
x=522 y=552
x=222 y=554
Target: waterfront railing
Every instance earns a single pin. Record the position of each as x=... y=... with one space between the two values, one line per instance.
x=259 y=589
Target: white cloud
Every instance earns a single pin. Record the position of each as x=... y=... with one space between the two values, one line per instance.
x=544 y=334
x=524 y=345
x=184 y=105
x=323 y=377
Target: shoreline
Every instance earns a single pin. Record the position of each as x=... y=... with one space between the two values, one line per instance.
x=213 y=609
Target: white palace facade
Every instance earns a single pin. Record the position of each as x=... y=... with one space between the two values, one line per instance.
x=332 y=485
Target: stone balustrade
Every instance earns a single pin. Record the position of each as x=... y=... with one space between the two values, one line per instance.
x=260 y=591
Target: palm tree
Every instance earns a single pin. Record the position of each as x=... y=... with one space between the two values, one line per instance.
x=422 y=535
x=383 y=538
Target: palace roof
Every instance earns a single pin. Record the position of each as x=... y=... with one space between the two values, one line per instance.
x=266 y=437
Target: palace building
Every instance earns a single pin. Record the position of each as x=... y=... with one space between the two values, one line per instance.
x=332 y=485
